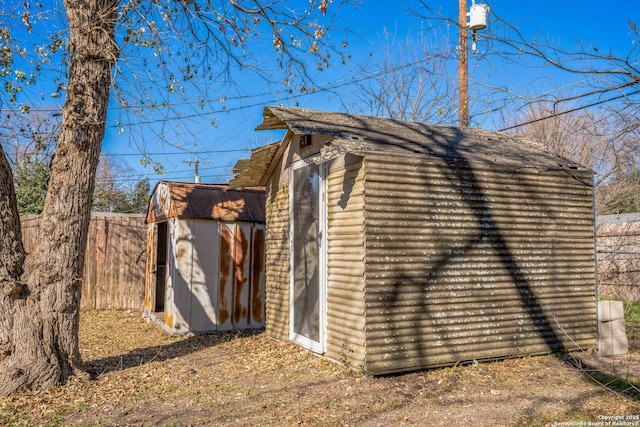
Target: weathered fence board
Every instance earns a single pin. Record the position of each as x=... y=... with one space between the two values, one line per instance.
x=114 y=260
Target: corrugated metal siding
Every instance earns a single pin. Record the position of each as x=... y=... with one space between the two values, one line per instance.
x=345 y=265
x=277 y=262
x=474 y=262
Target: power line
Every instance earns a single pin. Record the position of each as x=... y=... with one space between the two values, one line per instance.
x=162 y=177
x=238 y=150
x=329 y=86
x=324 y=87
x=131 y=177
x=593 y=104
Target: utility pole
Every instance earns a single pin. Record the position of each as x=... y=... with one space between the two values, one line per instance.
x=463 y=66
x=195 y=164
x=478 y=22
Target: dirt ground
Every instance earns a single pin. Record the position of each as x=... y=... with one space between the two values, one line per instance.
x=144 y=377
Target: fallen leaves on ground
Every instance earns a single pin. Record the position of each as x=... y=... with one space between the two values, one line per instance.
x=142 y=376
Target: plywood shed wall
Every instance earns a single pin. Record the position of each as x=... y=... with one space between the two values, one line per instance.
x=440 y=248
x=206 y=252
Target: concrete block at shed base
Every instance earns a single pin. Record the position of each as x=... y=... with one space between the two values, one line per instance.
x=610 y=310
x=614 y=328
x=613 y=346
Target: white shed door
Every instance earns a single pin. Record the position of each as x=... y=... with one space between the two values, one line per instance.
x=307 y=302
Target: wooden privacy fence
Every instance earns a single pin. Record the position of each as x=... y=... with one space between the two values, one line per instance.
x=618 y=243
x=115 y=259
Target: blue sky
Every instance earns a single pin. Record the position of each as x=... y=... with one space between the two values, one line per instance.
x=565 y=23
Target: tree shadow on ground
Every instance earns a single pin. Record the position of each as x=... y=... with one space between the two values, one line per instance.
x=161 y=353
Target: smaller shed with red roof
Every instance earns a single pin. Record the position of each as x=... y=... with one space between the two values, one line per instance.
x=205 y=258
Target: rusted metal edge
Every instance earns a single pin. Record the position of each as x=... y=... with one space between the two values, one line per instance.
x=146 y=314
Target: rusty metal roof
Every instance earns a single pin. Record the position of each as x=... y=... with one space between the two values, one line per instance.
x=208 y=201
x=360 y=134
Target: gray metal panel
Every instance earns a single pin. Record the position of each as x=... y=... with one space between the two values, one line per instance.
x=177 y=298
x=345 y=265
x=205 y=245
x=465 y=262
x=277 y=262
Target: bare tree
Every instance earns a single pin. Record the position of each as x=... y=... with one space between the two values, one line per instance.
x=117 y=187
x=585 y=136
x=620 y=195
x=409 y=81
x=40 y=291
x=579 y=136
x=29 y=135
x=30 y=140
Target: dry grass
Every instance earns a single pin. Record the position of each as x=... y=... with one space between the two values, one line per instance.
x=145 y=377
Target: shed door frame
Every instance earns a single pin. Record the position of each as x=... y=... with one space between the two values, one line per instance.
x=160 y=266
x=318 y=346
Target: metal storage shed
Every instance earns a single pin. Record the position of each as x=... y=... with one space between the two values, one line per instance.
x=205 y=258
x=395 y=246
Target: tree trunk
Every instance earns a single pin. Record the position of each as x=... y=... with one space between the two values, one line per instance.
x=39 y=305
